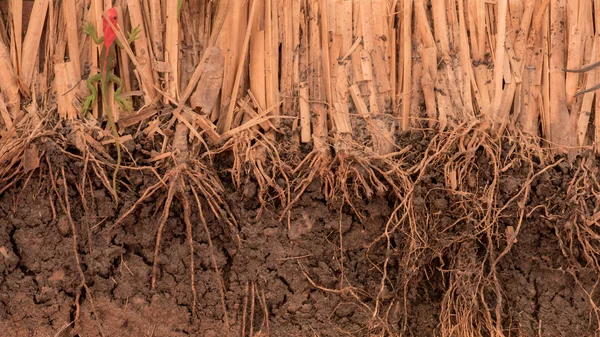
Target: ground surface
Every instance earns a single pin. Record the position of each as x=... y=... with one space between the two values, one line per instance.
x=293 y=267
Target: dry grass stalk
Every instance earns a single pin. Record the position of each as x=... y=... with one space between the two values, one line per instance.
x=32 y=40
x=8 y=82
x=315 y=79
x=16 y=17
x=597 y=106
x=476 y=19
x=340 y=26
x=407 y=54
x=142 y=49
x=353 y=51
x=70 y=18
x=93 y=14
x=208 y=90
x=155 y=22
x=287 y=54
x=561 y=131
x=514 y=47
x=226 y=125
x=586 y=104
x=305 y=134
x=65 y=80
x=444 y=103
x=124 y=71
x=272 y=59
x=428 y=53
x=111 y=89
x=188 y=22
x=531 y=95
x=357 y=47
x=583 y=104
x=465 y=60
x=545 y=83
x=252 y=114
x=499 y=61
x=574 y=48
x=8 y=124
x=370 y=44
x=172 y=48
x=3 y=32
x=325 y=64
x=219 y=20
x=257 y=57
x=233 y=43
x=297 y=54
x=597 y=129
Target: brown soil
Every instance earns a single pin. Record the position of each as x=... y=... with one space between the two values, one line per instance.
x=318 y=271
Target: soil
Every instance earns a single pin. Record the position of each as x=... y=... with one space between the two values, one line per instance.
x=316 y=271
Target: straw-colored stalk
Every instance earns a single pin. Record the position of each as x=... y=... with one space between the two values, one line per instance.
x=232 y=43
x=156 y=21
x=561 y=133
x=64 y=80
x=532 y=65
x=142 y=51
x=465 y=60
x=16 y=11
x=545 y=115
x=70 y=15
x=32 y=40
x=574 y=46
x=272 y=59
x=305 y=135
x=257 y=57
x=287 y=54
x=499 y=56
x=209 y=86
x=337 y=108
x=407 y=49
x=315 y=79
x=93 y=15
x=440 y=30
x=597 y=110
x=586 y=19
x=476 y=19
x=9 y=86
x=227 y=119
x=172 y=48
x=339 y=24
x=124 y=73
x=429 y=54
x=6 y=118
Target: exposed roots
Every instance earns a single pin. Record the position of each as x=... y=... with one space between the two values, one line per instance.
x=189 y=175
x=354 y=172
x=66 y=207
x=313 y=165
x=579 y=236
x=17 y=155
x=451 y=197
x=466 y=236
x=255 y=156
